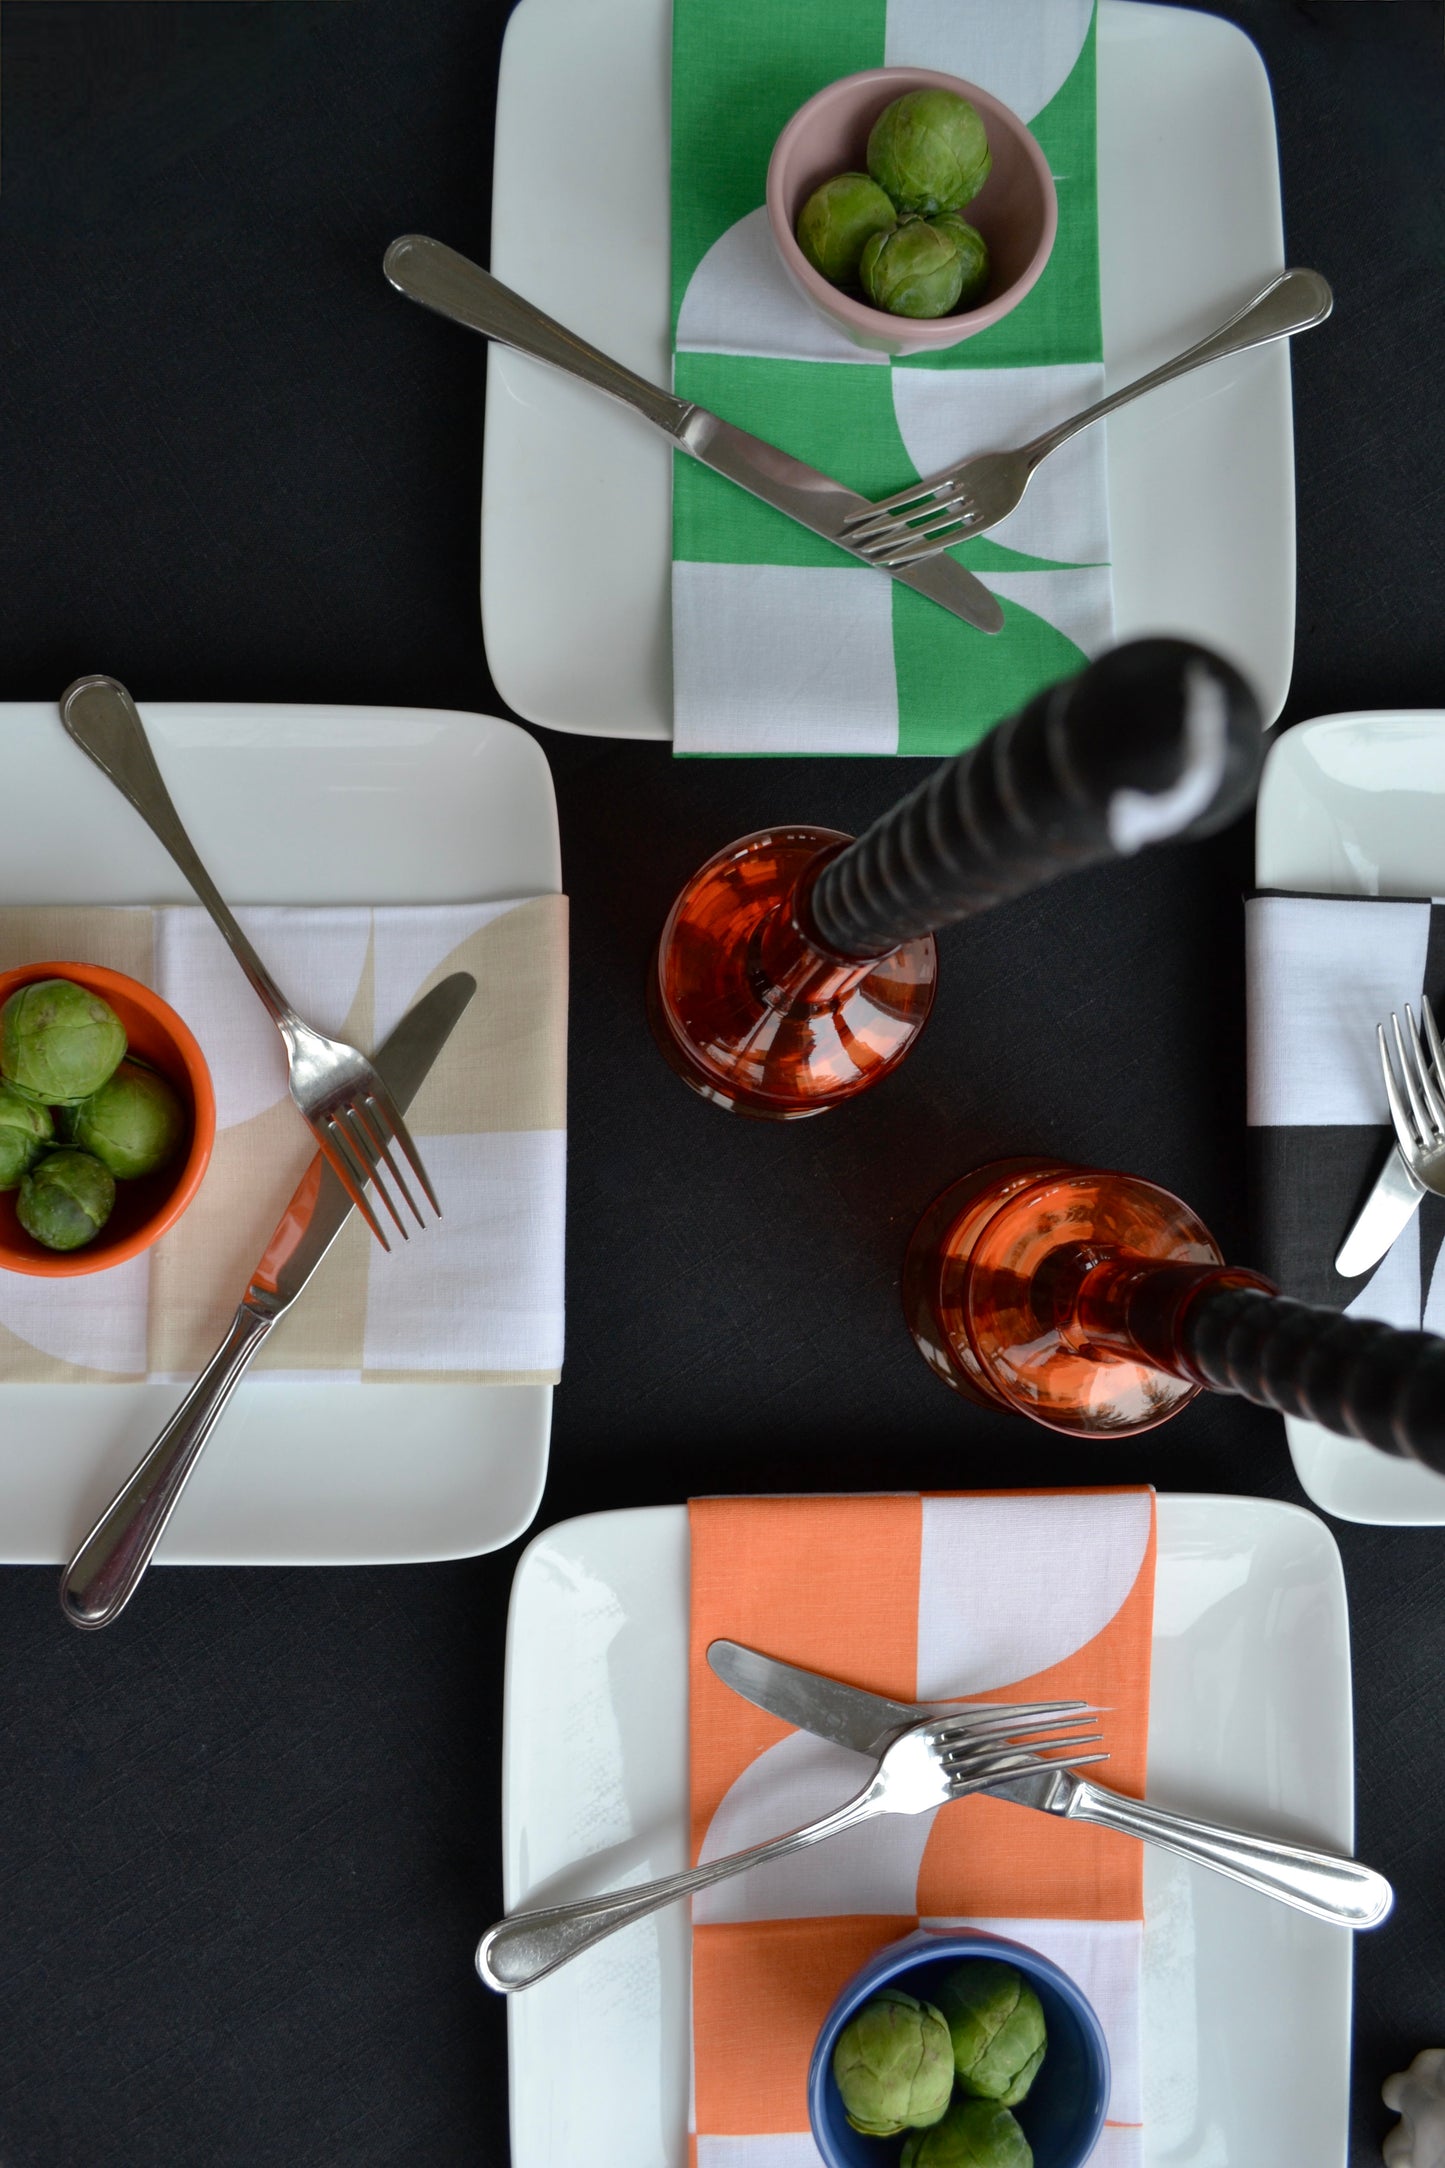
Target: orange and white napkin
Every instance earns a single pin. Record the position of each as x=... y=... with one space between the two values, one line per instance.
x=1026 y=1596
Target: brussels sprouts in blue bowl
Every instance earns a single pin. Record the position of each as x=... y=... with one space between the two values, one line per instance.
x=1032 y=2065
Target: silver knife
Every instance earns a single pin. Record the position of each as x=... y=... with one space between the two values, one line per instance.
x=1385 y=1213
x=105 y=1572
x=455 y=287
x=1338 y=1890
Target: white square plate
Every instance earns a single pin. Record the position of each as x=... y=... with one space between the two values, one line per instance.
x=577 y=491
x=1246 y=2005
x=1354 y=805
x=286 y=805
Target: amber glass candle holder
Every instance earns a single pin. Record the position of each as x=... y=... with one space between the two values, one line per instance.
x=753 y=1011
x=1099 y=1305
x=797 y=967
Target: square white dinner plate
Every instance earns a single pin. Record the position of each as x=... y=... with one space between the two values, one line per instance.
x=285 y=805
x=1246 y=2004
x=1354 y=805
x=577 y=491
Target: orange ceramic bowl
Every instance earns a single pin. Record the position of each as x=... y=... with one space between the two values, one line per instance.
x=145 y=1208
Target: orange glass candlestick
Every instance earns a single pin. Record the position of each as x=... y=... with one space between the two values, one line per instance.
x=1098 y=1304
x=798 y=966
x=753 y=1011
x=1017 y=1287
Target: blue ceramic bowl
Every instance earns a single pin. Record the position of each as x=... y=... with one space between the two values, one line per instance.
x=1064 y=2112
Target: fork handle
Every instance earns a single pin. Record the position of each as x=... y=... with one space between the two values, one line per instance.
x=525 y=1946
x=1363 y=1379
x=106 y=1571
x=99 y=714
x=1339 y=1890
x=1295 y=301
x=429 y=272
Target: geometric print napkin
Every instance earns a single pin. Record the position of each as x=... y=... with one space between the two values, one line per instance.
x=780 y=643
x=1322 y=972
x=1027 y=1596
x=476 y=1296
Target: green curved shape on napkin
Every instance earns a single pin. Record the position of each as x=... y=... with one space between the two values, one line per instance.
x=946 y=700
x=1060 y=319
x=740 y=70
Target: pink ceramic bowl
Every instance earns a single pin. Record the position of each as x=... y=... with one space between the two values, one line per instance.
x=1016 y=211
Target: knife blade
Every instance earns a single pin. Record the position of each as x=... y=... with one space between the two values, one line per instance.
x=1385 y=1213
x=319 y=1206
x=429 y=272
x=107 y=1569
x=813 y=1702
x=1321 y=1883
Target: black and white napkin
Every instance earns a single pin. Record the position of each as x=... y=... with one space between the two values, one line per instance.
x=1322 y=972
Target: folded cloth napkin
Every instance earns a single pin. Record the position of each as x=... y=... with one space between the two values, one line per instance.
x=1322 y=972
x=780 y=644
x=477 y=1295
x=1028 y=1596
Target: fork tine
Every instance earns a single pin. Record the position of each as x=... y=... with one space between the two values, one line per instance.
x=1422 y=1126
x=1437 y=1051
x=987 y=1757
x=960 y=1787
x=391 y=1114
x=1404 y=1135
x=369 y=1118
x=900 y=503
x=358 y=1138
x=881 y=519
x=1005 y=1721
x=1422 y=1075
x=352 y=1178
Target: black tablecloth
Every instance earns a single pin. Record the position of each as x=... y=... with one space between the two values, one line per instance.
x=248 y=1836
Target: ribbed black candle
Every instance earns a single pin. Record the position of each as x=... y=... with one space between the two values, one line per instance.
x=1363 y=1379
x=1157 y=741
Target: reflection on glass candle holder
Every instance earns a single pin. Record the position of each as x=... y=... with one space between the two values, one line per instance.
x=797 y=967
x=1098 y=1304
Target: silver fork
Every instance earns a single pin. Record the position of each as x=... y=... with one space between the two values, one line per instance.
x=918 y=523
x=1420 y=1123
x=924 y=1767
x=351 y=1114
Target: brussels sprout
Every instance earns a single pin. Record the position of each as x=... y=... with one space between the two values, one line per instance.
x=929 y=151
x=973 y=2134
x=837 y=219
x=893 y=2064
x=972 y=254
x=912 y=271
x=25 y=1130
x=996 y=2023
x=132 y=1125
x=66 y=1200
x=58 y=1043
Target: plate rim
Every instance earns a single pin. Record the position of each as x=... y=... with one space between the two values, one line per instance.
x=532 y=1402
x=1166 y=19
x=1285 y=764
x=1276 y=1515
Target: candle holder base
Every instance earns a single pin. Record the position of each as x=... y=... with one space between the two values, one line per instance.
x=755 y=1017
x=991 y=1287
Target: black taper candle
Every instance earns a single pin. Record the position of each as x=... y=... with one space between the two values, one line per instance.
x=1362 y=1379
x=1158 y=741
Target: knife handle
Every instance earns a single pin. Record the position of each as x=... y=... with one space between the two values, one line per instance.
x=435 y=275
x=105 y=1572
x=525 y=1946
x=1350 y=1374
x=1158 y=740
x=1334 y=1889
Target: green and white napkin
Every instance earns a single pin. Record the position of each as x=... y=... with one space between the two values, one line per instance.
x=781 y=645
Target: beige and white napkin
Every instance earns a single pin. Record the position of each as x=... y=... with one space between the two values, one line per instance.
x=474 y=1297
